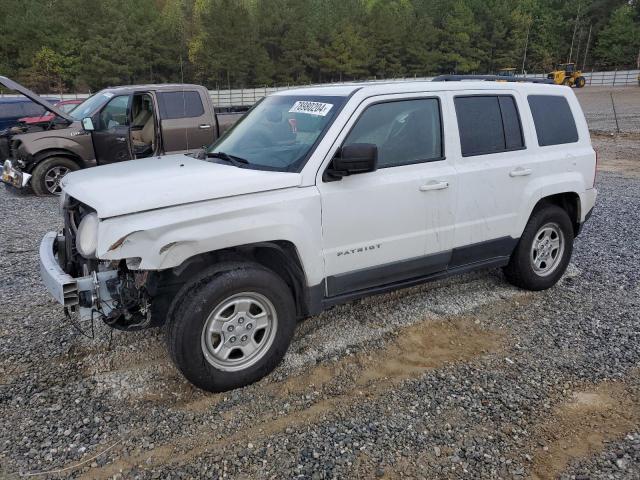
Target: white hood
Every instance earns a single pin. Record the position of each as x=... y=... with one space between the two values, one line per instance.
x=157 y=182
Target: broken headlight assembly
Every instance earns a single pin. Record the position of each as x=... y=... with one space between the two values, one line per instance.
x=87 y=236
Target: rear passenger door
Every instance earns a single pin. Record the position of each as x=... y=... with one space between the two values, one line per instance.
x=186 y=121
x=494 y=169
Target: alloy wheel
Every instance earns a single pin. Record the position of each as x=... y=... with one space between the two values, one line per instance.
x=53 y=178
x=547 y=249
x=239 y=331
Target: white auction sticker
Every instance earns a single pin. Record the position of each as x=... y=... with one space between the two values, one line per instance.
x=311 y=108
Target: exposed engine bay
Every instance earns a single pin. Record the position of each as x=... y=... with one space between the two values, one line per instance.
x=106 y=290
x=7 y=134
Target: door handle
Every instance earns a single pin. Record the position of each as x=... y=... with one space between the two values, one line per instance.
x=520 y=172
x=204 y=126
x=434 y=186
x=121 y=139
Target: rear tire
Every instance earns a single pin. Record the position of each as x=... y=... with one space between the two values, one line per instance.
x=48 y=175
x=544 y=250
x=580 y=82
x=227 y=329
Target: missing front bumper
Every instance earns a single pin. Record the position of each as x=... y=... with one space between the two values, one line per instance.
x=87 y=294
x=13 y=176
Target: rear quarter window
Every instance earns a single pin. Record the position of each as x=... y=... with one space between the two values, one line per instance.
x=187 y=104
x=553 y=120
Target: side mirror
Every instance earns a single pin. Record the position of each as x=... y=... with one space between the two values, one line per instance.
x=353 y=159
x=87 y=124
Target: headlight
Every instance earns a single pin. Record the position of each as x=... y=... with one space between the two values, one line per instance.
x=87 y=237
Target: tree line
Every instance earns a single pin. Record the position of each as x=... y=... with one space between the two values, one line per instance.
x=85 y=45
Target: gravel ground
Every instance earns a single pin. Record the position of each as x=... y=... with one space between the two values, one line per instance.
x=463 y=378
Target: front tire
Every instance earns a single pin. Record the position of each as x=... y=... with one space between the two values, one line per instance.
x=544 y=250
x=227 y=329
x=48 y=175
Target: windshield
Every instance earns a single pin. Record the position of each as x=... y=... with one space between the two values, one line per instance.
x=67 y=107
x=90 y=105
x=279 y=132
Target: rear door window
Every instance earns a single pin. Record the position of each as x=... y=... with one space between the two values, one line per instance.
x=187 y=104
x=553 y=119
x=488 y=124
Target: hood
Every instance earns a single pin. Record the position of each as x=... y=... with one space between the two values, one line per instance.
x=11 y=85
x=41 y=119
x=159 y=182
x=36 y=139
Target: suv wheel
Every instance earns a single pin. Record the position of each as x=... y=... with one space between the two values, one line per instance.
x=544 y=250
x=227 y=329
x=49 y=173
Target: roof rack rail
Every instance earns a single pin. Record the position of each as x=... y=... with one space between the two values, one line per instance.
x=458 y=78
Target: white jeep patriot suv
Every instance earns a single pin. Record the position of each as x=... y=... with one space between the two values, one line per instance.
x=316 y=197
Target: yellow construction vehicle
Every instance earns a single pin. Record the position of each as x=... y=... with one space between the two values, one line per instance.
x=566 y=74
x=507 y=72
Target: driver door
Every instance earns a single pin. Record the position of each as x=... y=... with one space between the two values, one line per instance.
x=394 y=224
x=111 y=138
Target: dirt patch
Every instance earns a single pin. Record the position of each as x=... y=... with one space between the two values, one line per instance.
x=426 y=346
x=618 y=153
x=423 y=346
x=580 y=426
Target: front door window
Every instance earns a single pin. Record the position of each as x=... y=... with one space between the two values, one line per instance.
x=114 y=114
x=111 y=138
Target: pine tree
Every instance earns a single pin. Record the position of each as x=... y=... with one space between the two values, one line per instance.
x=619 y=41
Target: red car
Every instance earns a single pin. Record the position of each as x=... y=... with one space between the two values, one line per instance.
x=64 y=105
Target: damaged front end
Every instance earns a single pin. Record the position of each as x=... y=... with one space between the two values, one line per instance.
x=13 y=166
x=14 y=176
x=91 y=289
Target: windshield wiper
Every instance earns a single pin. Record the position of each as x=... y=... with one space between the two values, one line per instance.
x=232 y=159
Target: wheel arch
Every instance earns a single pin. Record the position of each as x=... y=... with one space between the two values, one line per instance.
x=55 y=152
x=279 y=256
x=568 y=201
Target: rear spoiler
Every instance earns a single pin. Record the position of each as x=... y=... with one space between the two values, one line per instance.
x=15 y=86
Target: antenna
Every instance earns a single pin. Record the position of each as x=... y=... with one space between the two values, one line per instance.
x=184 y=103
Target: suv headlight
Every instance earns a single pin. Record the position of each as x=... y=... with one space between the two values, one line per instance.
x=87 y=236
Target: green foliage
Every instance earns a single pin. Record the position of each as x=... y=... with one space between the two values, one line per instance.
x=77 y=45
x=620 y=38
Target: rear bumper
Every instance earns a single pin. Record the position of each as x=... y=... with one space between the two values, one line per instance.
x=587 y=207
x=12 y=175
x=589 y=201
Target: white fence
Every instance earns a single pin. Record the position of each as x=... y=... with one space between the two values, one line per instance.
x=249 y=96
